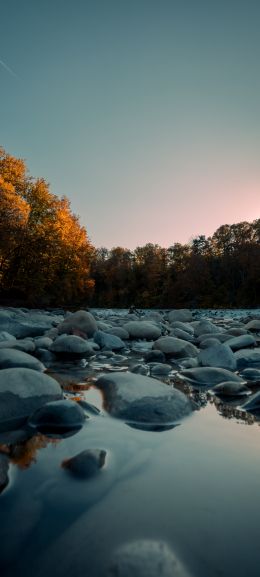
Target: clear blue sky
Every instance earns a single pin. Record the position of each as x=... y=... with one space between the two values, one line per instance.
x=145 y=113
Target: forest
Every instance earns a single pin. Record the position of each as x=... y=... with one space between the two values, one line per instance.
x=48 y=260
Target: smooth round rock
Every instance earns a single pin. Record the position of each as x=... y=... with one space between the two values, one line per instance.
x=142 y=399
x=248 y=358
x=108 y=341
x=64 y=415
x=180 y=334
x=86 y=464
x=253 y=403
x=154 y=356
x=176 y=348
x=182 y=315
x=253 y=325
x=230 y=389
x=251 y=375
x=81 y=323
x=71 y=346
x=241 y=342
x=218 y=356
x=142 y=330
x=11 y=358
x=22 y=391
x=208 y=376
x=145 y=558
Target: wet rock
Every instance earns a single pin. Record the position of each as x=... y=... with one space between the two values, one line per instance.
x=230 y=389
x=119 y=332
x=183 y=326
x=241 y=342
x=4 y=466
x=160 y=369
x=253 y=403
x=142 y=330
x=251 y=375
x=57 y=416
x=208 y=376
x=253 y=325
x=180 y=334
x=236 y=331
x=10 y=358
x=43 y=343
x=154 y=356
x=71 y=346
x=154 y=316
x=86 y=464
x=176 y=348
x=248 y=358
x=209 y=342
x=142 y=399
x=108 y=341
x=140 y=369
x=145 y=558
x=182 y=315
x=218 y=356
x=189 y=363
x=45 y=356
x=4 y=336
x=205 y=327
x=81 y=323
x=22 y=391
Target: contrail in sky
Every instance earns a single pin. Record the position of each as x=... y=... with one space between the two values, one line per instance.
x=8 y=69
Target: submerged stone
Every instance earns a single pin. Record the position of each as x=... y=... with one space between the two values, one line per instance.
x=86 y=464
x=145 y=558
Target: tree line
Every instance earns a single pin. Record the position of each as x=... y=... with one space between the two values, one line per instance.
x=47 y=258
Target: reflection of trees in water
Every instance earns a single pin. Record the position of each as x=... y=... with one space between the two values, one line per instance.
x=23 y=454
x=227 y=408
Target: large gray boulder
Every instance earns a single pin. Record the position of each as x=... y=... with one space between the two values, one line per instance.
x=10 y=358
x=22 y=391
x=182 y=315
x=145 y=558
x=208 y=376
x=71 y=346
x=142 y=399
x=175 y=348
x=108 y=341
x=248 y=358
x=81 y=323
x=218 y=356
x=241 y=342
x=142 y=330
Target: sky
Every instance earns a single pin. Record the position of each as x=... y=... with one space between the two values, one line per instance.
x=145 y=113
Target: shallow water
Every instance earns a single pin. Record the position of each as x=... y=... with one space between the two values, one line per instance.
x=195 y=486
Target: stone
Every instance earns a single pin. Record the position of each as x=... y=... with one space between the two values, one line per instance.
x=71 y=346
x=4 y=336
x=108 y=341
x=208 y=376
x=180 y=334
x=154 y=356
x=160 y=369
x=81 y=323
x=253 y=403
x=218 y=356
x=10 y=358
x=183 y=326
x=86 y=464
x=230 y=389
x=248 y=358
x=142 y=330
x=183 y=315
x=251 y=375
x=142 y=399
x=154 y=316
x=43 y=342
x=205 y=327
x=58 y=416
x=241 y=342
x=118 y=332
x=140 y=369
x=209 y=342
x=253 y=325
x=176 y=348
x=145 y=558
x=22 y=391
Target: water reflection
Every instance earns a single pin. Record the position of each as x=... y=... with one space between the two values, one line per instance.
x=24 y=454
